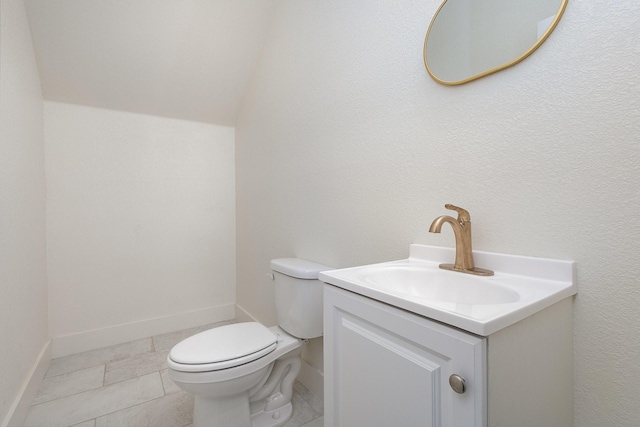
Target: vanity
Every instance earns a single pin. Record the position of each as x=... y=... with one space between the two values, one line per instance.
x=410 y=344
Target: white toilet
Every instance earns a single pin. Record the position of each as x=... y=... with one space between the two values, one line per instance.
x=242 y=374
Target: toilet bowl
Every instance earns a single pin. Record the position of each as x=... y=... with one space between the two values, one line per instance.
x=242 y=374
x=232 y=388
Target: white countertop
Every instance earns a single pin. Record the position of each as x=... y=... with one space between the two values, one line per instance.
x=523 y=286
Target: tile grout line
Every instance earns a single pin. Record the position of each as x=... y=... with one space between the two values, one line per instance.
x=76 y=393
x=104 y=374
x=132 y=406
x=71 y=372
x=98 y=388
x=128 y=407
x=104 y=378
x=164 y=390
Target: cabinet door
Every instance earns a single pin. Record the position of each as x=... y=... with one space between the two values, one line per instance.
x=386 y=367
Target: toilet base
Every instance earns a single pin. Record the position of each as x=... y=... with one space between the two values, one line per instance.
x=274 y=418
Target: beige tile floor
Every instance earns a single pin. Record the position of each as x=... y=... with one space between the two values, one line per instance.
x=127 y=385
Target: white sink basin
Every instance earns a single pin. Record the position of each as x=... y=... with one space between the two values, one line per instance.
x=520 y=287
x=433 y=284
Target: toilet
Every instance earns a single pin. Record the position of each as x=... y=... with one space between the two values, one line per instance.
x=242 y=374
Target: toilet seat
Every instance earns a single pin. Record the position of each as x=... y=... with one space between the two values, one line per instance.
x=223 y=347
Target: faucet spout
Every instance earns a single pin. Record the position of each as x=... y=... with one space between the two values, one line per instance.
x=462 y=232
x=436 y=225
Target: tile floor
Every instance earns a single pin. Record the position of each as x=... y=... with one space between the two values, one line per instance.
x=127 y=385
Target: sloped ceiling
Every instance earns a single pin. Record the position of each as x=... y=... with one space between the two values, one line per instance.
x=185 y=59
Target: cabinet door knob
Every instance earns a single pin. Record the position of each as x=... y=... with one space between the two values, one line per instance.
x=457 y=383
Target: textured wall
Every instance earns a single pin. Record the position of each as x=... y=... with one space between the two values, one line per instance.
x=23 y=292
x=140 y=217
x=346 y=150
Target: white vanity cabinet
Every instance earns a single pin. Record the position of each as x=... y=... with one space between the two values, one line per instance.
x=385 y=367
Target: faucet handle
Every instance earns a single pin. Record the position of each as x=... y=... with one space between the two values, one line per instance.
x=463 y=214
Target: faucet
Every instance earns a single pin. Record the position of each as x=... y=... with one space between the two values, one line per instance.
x=462 y=231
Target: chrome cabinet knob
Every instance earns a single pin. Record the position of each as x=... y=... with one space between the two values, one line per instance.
x=457 y=383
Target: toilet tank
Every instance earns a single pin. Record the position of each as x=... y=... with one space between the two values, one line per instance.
x=298 y=296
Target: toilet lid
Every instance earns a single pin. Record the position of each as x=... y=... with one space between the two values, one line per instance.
x=223 y=346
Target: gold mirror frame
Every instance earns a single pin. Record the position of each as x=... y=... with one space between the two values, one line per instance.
x=520 y=58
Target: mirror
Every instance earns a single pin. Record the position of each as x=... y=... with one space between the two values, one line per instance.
x=469 y=39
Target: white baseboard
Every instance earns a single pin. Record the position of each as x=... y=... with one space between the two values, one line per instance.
x=20 y=407
x=243 y=315
x=118 y=334
x=312 y=378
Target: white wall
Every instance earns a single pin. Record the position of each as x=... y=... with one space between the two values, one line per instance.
x=23 y=292
x=187 y=59
x=140 y=225
x=346 y=150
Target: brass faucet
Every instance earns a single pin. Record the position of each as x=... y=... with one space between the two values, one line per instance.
x=462 y=231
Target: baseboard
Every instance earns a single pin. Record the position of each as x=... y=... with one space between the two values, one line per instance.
x=118 y=334
x=20 y=407
x=243 y=315
x=312 y=378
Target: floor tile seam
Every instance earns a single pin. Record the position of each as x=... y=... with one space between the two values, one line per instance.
x=135 y=357
x=75 y=423
x=73 y=394
x=314 y=411
x=308 y=399
x=71 y=372
x=104 y=369
x=310 y=421
x=127 y=408
x=104 y=375
x=305 y=398
x=153 y=344
x=164 y=389
x=65 y=396
x=103 y=362
x=132 y=378
x=100 y=349
x=104 y=386
x=109 y=367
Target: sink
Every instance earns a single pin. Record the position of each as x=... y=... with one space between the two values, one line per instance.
x=483 y=305
x=431 y=284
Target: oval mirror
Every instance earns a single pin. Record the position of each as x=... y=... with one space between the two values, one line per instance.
x=469 y=39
